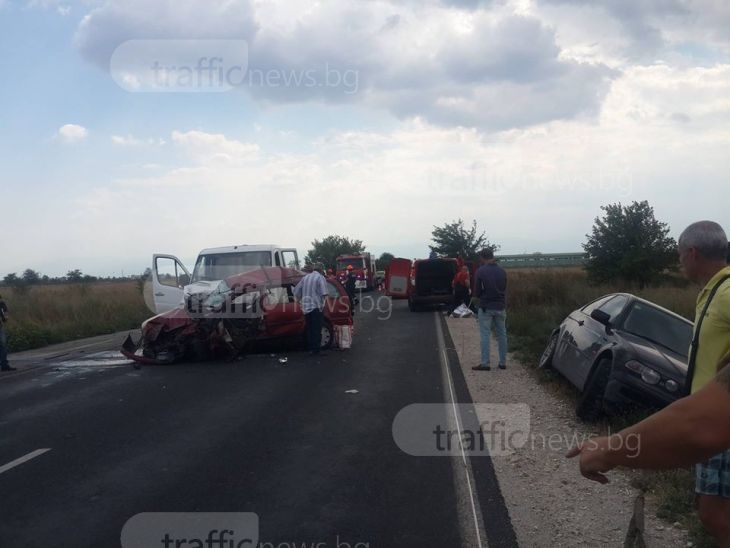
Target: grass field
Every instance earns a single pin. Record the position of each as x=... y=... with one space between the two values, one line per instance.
x=538 y=300
x=48 y=314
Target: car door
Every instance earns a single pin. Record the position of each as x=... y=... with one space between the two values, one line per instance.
x=283 y=316
x=169 y=277
x=592 y=336
x=567 y=354
x=337 y=304
x=397 y=278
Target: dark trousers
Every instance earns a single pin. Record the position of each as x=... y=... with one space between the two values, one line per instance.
x=313 y=322
x=3 y=349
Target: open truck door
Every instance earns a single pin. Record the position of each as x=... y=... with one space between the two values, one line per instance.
x=397 y=279
x=290 y=258
x=169 y=277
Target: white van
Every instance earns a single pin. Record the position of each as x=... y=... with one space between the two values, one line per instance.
x=172 y=282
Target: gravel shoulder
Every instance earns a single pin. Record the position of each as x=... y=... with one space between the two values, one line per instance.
x=549 y=503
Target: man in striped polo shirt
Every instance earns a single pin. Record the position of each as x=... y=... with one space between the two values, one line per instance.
x=311 y=292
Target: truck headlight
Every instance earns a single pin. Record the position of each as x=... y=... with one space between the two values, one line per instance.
x=648 y=375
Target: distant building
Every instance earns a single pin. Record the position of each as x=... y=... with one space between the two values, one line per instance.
x=541 y=260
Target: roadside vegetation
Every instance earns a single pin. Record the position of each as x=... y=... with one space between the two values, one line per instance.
x=539 y=299
x=49 y=314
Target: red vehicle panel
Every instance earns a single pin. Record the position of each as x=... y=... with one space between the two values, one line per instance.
x=397 y=278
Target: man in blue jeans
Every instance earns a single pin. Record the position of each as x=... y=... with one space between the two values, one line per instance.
x=491 y=289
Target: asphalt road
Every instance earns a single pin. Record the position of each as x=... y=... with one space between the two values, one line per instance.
x=317 y=465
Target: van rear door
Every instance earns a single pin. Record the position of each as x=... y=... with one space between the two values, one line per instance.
x=169 y=277
x=397 y=279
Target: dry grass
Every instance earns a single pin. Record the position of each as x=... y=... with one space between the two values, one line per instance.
x=50 y=314
x=539 y=299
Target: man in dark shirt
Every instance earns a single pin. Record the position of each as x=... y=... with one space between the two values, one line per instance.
x=491 y=289
x=4 y=365
x=350 y=282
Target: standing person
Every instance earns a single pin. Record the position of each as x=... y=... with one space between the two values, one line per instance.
x=459 y=260
x=702 y=249
x=461 y=285
x=4 y=365
x=311 y=292
x=350 y=286
x=491 y=290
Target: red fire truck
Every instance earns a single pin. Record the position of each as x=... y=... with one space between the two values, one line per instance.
x=363 y=267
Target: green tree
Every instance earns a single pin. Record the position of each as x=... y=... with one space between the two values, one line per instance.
x=384 y=260
x=17 y=283
x=326 y=250
x=74 y=276
x=453 y=238
x=31 y=277
x=628 y=243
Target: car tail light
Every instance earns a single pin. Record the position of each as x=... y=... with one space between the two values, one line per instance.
x=648 y=375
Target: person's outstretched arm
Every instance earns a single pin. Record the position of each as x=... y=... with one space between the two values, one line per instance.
x=690 y=430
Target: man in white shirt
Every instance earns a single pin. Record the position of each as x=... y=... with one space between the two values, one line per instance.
x=311 y=292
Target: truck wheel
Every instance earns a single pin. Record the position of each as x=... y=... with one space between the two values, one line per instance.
x=546 y=359
x=590 y=403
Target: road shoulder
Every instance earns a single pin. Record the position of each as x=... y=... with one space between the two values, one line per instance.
x=549 y=503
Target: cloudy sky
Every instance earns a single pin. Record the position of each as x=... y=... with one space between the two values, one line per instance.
x=129 y=127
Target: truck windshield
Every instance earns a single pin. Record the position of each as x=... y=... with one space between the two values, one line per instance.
x=222 y=265
x=358 y=263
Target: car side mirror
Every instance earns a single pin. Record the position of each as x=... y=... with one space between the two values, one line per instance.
x=601 y=317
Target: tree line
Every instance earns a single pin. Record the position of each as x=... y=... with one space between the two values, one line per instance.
x=29 y=278
x=627 y=243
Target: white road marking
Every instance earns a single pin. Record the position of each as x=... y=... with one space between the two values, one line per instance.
x=21 y=460
x=467 y=467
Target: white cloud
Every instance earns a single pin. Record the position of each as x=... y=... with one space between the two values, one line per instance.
x=662 y=135
x=132 y=141
x=490 y=68
x=72 y=133
x=214 y=147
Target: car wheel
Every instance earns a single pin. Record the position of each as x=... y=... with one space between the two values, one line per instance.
x=546 y=359
x=328 y=336
x=590 y=403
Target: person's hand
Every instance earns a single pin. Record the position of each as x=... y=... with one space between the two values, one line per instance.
x=593 y=465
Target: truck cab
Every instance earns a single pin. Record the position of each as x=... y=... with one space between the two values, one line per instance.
x=363 y=267
x=172 y=282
